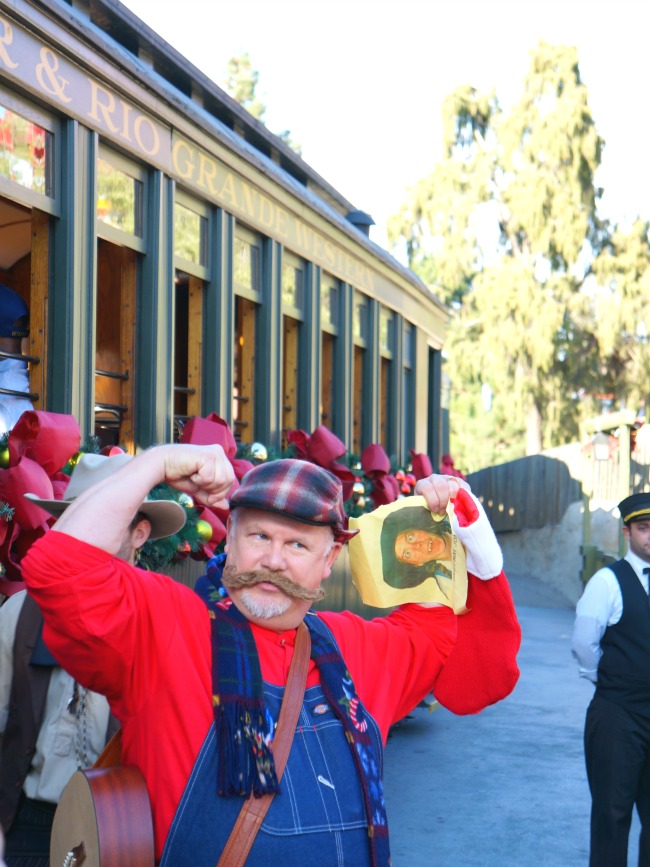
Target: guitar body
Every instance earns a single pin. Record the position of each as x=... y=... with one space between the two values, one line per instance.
x=103 y=819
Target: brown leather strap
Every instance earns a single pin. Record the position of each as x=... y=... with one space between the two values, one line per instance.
x=253 y=810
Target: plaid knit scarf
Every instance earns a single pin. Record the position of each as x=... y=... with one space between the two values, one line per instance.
x=244 y=729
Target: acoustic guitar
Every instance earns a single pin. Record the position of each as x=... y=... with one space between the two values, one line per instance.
x=103 y=819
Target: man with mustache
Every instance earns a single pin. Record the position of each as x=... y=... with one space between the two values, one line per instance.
x=197 y=678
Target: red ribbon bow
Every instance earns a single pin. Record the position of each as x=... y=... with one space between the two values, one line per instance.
x=376 y=465
x=323 y=448
x=40 y=444
x=421 y=465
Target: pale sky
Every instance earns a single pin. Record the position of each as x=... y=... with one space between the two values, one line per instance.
x=360 y=83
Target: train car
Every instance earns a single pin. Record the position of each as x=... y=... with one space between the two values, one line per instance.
x=179 y=259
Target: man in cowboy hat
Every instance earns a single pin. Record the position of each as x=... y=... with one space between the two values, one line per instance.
x=611 y=642
x=197 y=678
x=50 y=725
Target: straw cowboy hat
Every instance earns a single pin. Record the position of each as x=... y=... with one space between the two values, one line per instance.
x=165 y=516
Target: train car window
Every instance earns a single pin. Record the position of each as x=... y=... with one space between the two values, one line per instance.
x=188 y=325
x=408 y=413
x=360 y=319
x=26 y=152
x=247 y=270
x=387 y=332
x=387 y=398
x=246 y=266
x=292 y=285
x=330 y=295
x=191 y=232
x=28 y=136
x=115 y=345
x=190 y=235
x=119 y=199
x=243 y=409
x=360 y=316
x=293 y=271
x=120 y=229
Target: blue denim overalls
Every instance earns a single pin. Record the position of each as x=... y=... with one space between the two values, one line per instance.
x=317 y=818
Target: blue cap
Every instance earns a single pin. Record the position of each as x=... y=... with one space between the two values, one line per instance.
x=14 y=314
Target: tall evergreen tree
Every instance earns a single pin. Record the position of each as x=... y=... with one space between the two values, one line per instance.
x=506 y=230
x=241 y=83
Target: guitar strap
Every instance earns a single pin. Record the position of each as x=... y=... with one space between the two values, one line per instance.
x=111 y=755
x=254 y=809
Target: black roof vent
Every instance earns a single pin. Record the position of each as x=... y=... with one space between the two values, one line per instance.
x=361 y=220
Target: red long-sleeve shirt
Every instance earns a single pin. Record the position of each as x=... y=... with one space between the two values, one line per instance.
x=143 y=640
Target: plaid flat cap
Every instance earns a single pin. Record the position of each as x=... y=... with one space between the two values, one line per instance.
x=297 y=489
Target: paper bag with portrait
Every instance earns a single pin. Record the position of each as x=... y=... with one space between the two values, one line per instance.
x=405 y=553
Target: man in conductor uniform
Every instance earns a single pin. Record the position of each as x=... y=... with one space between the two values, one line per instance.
x=611 y=642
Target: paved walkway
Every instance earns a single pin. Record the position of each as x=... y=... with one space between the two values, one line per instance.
x=506 y=787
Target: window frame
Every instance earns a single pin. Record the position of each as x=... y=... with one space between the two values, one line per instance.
x=17 y=192
x=139 y=173
x=202 y=270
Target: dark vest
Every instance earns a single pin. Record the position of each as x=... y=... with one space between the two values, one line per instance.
x=26 y=708
x=624 y=669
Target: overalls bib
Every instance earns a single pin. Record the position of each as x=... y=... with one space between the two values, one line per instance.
x=317 y=818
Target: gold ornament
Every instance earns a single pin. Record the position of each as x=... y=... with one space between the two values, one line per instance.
x=4 y=458
x=258 y=452
x=186 y=501
x=359 y=489
x=74 y=460
x=204 y=529
x=361 y=502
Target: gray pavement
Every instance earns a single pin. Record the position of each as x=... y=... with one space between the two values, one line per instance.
x=506 y=787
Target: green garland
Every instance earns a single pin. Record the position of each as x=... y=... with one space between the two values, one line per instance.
x=157 y=554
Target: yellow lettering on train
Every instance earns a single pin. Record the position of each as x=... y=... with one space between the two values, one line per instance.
x=143 y=121
x=330 y=253
x=106 y=108
x=266 y=212
x=126 y=115
x=6 y=39
x=250 y=193
x=282 y=222
x=182 y=156
x=207 y=173
x=305 y=237
x=46 y=75
x=228 y=189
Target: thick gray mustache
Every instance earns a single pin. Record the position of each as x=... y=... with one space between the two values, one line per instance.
x=234 y=580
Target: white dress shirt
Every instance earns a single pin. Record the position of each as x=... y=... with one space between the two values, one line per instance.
x=13 y=375
x=600 y=606
x=62 y=739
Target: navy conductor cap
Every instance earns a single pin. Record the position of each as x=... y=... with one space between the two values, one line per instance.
x=635 y=508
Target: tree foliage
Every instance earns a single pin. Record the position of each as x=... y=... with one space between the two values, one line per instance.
x=242 y=81
x=506 y=230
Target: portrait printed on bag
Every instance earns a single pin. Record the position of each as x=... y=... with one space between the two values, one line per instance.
x=405 y=553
